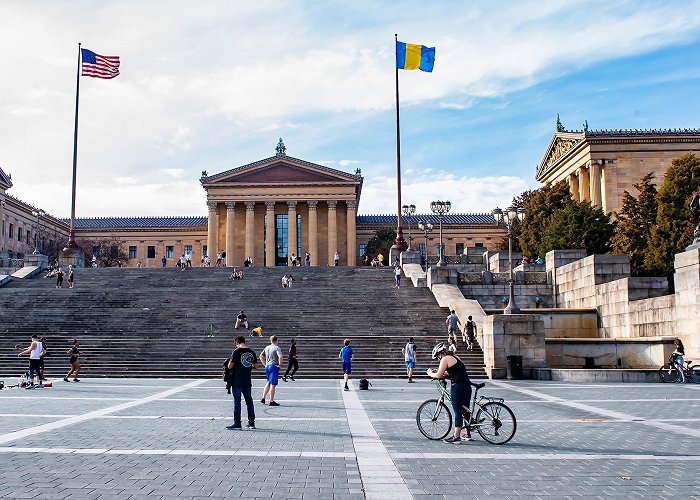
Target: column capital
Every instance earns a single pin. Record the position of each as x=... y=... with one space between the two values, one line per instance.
x=230 y=206
x=352 y=204
x=292 y=205
x=312 y=204
x=584 y=168
x=332 y=204
x=250 y=205
x=212 y=206
x=270 y=206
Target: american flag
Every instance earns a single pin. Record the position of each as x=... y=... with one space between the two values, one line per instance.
x=99 y=66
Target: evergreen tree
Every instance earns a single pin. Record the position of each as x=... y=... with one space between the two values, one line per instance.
x=578 y=225
x=540 y=205
x=381 y=243
x=635 y=221
x=675 y=221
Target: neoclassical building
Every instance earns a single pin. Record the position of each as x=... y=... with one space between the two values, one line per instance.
x=600 y=165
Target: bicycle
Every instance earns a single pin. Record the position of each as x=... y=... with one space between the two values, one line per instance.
x=670 y=373
x=494 y=421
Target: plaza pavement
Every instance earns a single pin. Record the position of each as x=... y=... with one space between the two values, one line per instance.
x=156 y=438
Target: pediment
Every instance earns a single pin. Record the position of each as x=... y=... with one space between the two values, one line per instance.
x=5 y=181
x=281 y=170
x=561 y=145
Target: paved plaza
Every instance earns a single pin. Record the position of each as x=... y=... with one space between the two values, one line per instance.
x=136 y=438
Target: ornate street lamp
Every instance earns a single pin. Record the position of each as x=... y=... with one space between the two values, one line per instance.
x=408 y=211
x=38 y=214
x=441 y=208
x=426 y=227
x=508 y=218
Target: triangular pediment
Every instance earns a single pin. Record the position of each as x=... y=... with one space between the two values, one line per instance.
x=561 y=145
x=5 y=181
x=281 y=170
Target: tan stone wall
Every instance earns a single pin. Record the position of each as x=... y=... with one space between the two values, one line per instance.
x=517 y=334
x=19 y=214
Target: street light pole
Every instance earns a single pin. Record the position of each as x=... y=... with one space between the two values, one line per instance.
x=441 y=208
x=38 y=214
x=426 y=227
x=408 y=211
x=508 y=218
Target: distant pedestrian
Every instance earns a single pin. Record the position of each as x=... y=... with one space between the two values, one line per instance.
x=74 y=354
x=94 y=261
x=257 y=331
x=240 y=365
x=218 y=259
x=293 y=259
x=346 y=357
x=272 y=358
x=292 y=361
x=452 y=325
x=35 y=349
x=223 y=258
x=163 y=261
x=307 y=259
x=285 y=281
x=139 y=264
x=71 y=277
x=59 y=278
x=290 y=280
x=336 y=259
x=470 y=331
x=451 y=345
x=409 y=356
x=241 y=320
x=188 y=259
x=397 y=276
x=380 y=258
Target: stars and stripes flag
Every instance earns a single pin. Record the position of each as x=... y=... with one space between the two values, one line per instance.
x=99 y=66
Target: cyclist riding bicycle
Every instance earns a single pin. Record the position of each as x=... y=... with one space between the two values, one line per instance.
x=460 y=386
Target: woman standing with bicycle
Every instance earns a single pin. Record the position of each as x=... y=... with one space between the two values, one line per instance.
x=460 y=386
x=679 y=358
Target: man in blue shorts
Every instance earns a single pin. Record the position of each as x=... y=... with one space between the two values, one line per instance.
x=409 y=356
x=346 y=358
x=272 y=358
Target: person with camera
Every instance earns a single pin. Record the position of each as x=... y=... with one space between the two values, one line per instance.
x=240 y=365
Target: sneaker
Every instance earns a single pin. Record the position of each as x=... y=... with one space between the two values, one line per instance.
x=284 y=378
x=30 y=386
x=453 y=440
x=233 y=426
x=65 y=379
x=274 y=403
x=262 y=400
x=250 y=426
x=466 y=437
x=76 y=380
x=292 y=377
x=347 y=388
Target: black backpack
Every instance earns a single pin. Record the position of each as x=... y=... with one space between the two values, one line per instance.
x=364 y=384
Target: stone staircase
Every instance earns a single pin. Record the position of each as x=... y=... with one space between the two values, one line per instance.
x=153 y=322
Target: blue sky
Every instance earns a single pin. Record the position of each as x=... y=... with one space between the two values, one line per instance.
x=214 y=87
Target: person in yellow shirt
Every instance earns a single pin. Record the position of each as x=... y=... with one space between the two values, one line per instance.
x=256 y=331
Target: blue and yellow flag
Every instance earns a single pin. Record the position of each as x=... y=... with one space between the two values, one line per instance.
x=411 y=56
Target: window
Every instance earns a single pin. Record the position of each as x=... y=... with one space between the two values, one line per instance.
x=132 y=252
x=11 y=233
x=188 y=250
x=19 y=234
x=437 y=249
x=479 y=245
x=28 y=237
x=169 y=251
x=96 y=251
x=151 y=253
x=460 y=248
x=421 y=248
x=363 y=249
x=204 y=251
x=114 y=251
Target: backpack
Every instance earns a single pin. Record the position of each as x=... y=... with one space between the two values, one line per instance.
x=364 y=384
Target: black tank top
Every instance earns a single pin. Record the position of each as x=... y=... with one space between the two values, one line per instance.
x=458 y=372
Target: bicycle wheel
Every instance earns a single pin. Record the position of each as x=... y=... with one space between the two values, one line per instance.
x=694 y=374
x=434 y=419
x=668 y=373
x=495 y=423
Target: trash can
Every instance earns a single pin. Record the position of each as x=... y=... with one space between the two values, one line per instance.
x=515 y=367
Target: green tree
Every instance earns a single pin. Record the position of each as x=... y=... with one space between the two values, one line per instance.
x=578 y=225
x=540 y=205
x=381 y=243
x=109 y=251
x=675 y=221
x=635 y=221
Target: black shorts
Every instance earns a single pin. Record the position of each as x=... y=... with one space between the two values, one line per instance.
x=73 y=359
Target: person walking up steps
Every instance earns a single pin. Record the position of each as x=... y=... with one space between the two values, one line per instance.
x=397 y=276
x=240 y=365
x=346 y=357
x=74 y=354
x=293 y=352
x=470 y=333
x=272 y=358
x=452 y=325
x=409 y=356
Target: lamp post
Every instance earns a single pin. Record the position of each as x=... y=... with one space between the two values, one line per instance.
x=441 y=208
x=426 y=227
x=38 y=214
x=408 y=211
x=508 y=218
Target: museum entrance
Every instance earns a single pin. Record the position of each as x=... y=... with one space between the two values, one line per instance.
x=282 y=239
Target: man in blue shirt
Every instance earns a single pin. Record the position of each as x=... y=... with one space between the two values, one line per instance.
x=346 y=357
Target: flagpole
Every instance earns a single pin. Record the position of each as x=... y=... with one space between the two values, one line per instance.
x=399 y=244
x=72 y=247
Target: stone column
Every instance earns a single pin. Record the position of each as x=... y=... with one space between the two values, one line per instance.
x=212 y=229
x=573 y=186
x=584 y=190
x=352 y=233
x=230 y=225
x=332 y=231
x=250 y=229
x=313 y=233
x=291 y=229
x=596 y=199
x=270 y=237
x=2 y=221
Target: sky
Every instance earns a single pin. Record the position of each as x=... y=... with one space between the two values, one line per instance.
x=213 y=85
